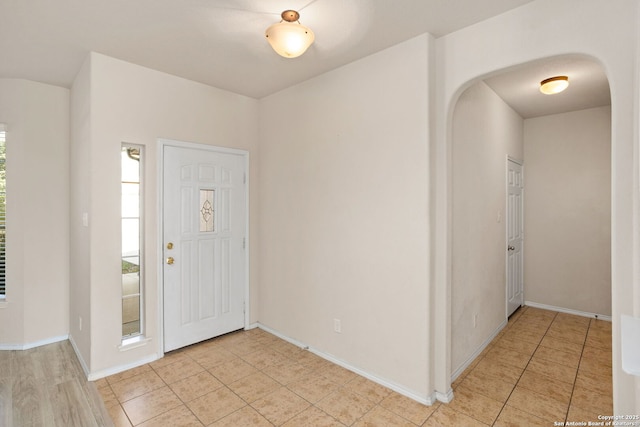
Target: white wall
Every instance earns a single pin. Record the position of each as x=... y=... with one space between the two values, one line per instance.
x=525 y=34
x=567 y=246
x=80 y=197
x=485 y=131
x=360 y=114
x=344 y=214
x=37 y=119
x=129 y=103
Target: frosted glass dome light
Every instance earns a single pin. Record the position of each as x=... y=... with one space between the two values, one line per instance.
x=289 y=38
x=554 y=85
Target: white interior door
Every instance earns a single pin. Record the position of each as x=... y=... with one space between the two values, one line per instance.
x=515 y=236
x=204 y=226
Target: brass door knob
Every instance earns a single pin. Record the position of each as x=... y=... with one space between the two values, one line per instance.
x=170 y=260
x=169 y=245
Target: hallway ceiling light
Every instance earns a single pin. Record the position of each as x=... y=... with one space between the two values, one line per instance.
x=289 y=38
x=554 y=85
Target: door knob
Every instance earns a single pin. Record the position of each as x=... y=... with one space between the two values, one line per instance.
x=512 y=248
x=170 y=260
x=169 y=245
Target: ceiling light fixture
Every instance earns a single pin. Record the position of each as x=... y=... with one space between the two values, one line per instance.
x=289 y=38
x=554 y=85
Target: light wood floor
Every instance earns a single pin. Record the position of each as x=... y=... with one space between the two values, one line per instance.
x=46 y=386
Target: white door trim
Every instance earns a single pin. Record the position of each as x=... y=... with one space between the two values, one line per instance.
x=506 y=227
x=163 y=142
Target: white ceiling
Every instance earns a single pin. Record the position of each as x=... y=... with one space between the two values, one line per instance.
x=221 y=42
x=217 y=42
x=520 y=87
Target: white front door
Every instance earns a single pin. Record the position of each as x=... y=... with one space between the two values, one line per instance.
x=515 y=236
x=204 y=226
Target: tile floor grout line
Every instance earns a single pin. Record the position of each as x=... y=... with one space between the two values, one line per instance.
x=514 y=386
x=183 y=402
x=525 y=367
x=226 y=385
x=485 y=355
x=250 y=404
x=525 y=308
x=127 y=415
x=166 y=384
x=575 y=378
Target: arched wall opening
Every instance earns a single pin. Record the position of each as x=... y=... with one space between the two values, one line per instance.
x=523 y=35
x=559 y=257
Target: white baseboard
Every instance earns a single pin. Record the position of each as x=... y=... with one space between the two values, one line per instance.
x=444 y=397
x=281 y=336
x=476 y=353
x=85 y=368
x=117 y=369
x=568 y=311
x=251 y=326
x=426 y=400
x=30 y=345
x=92 y=376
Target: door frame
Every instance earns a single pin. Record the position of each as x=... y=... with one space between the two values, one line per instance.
x=506 y=228
x=162 y=143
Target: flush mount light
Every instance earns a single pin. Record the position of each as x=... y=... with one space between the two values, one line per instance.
x=289 y=38
x=554 y=85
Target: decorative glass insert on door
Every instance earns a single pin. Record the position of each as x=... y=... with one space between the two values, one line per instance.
x=207 y=210
x=131 y=158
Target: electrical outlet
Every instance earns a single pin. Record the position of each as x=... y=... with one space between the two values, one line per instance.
x=337 y=326
x=475 y=320
x=80 y=322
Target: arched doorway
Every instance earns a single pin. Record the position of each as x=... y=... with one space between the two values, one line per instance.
x=564 y=143
x=527 y=34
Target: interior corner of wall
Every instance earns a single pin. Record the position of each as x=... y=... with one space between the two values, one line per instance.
x=85 y=366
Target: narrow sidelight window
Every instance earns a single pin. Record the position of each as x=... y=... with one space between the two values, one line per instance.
x=132 y=269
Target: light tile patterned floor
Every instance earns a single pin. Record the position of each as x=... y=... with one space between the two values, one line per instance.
x=544 y=367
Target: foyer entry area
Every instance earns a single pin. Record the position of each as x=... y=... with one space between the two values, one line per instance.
x=544 y=367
